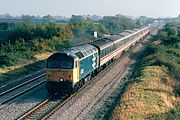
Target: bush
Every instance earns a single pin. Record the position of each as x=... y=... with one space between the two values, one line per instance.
x=5 y=61
x=42 y=45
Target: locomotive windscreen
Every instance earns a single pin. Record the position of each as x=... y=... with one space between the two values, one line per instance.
x=60 y=60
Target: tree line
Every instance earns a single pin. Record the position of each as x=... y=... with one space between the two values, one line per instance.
x=25 y=39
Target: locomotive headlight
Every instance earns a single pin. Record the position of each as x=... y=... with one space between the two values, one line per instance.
x=61 y=79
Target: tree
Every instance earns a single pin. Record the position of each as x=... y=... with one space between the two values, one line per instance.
x=27 y=18
x=117 y=24
x=77 y=19
x=48 y=18
x=7 y=16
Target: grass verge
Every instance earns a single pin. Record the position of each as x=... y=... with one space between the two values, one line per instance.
x=150 y=96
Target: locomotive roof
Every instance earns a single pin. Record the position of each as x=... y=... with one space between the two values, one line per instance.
x=81 y=51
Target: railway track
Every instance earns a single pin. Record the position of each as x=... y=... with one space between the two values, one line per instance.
x=102 y=93
x=43 y=109
x=18 y=90
x=20 y=80
x=46 y=109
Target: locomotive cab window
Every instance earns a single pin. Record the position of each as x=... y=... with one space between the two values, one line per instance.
x=60 y=61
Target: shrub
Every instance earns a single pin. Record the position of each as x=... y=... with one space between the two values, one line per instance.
x=5 y=61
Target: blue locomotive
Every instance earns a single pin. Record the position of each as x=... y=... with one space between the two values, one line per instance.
x=69 y=69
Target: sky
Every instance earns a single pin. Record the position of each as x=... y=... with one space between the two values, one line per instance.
x=149 y=8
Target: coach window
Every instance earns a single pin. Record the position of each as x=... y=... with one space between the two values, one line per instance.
x=110 y=49
x=103 y=53
x=106 y=51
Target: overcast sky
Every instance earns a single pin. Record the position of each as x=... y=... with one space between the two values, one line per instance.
x=149 y=8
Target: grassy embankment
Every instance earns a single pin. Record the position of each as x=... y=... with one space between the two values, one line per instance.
x=155 y=90
x=23 y=68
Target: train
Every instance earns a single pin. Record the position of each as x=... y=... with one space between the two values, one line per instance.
x=69 y=69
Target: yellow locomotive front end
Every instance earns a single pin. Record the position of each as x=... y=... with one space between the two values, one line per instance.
x=62 y=72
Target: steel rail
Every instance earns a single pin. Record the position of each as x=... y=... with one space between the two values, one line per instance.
x=20 y=85
x=25 y=77
x=7 y=100
x=34 y=109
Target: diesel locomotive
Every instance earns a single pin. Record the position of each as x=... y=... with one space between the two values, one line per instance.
x=69 y=69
